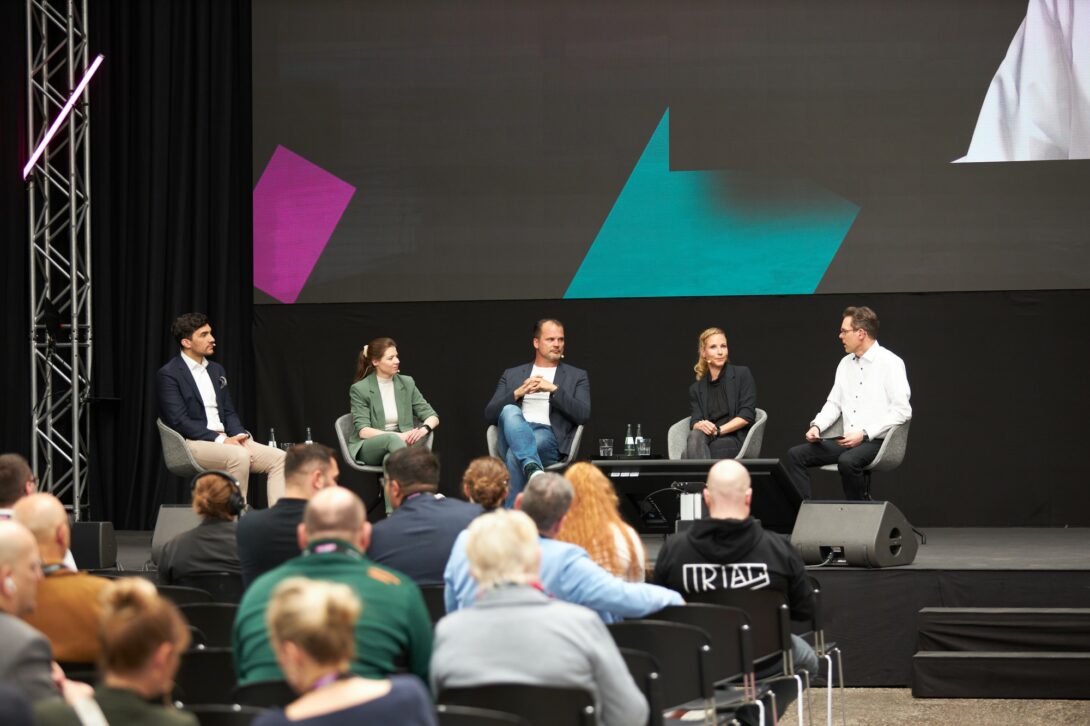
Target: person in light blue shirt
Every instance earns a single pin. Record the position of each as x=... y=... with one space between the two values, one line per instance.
x=567 y=571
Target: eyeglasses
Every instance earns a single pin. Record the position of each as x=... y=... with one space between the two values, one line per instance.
x=849 y=330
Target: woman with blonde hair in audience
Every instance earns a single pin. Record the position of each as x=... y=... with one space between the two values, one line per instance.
x=594 y=523
x=485 y=482
x=142 y=637
x=312 y=627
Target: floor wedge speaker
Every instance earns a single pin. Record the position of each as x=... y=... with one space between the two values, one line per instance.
x=173 y=519
x=93 y=545
x=860 y=534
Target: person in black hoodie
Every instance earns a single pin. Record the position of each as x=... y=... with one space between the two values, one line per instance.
x=731 y=549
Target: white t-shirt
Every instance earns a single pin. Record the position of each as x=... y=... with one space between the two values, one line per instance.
x=535 y=406
x=620 y=536
x=389 y=404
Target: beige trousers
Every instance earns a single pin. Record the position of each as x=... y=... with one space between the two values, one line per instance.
x=239 y=461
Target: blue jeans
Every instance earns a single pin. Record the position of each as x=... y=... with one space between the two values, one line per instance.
x=521 y=443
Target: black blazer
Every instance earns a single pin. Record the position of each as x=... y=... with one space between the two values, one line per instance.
x=569 y=406
x=182 y=408
x=741 y=395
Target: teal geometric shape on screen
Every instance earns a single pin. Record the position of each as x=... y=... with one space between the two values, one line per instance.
x=700 y=233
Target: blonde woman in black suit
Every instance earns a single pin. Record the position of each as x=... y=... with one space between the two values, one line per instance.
x=723 y=401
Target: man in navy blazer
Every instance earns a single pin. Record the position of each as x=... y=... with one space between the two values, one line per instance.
x=195 y=402
x=416 y=537
x=537 y=407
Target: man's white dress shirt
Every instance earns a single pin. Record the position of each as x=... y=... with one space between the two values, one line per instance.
x=870 y=392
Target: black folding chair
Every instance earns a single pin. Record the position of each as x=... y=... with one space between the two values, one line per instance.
x=825 y=651
x=223 y=715
x=433 y=598
x=468 y=716
x=222 y=586
x=265 y=694
x=644 y=670
x=215 y=619
x=206 y=676
x=184 y=595
x=539 y=705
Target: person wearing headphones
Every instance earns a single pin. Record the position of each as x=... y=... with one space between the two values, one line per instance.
x=211 y=546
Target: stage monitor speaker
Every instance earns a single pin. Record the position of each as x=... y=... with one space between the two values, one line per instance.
x=94 y=546
x=173 y=519
x=862 y=534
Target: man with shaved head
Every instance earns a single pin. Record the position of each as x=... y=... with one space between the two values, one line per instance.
x=25 y=656
x=730 y=549
x=68 y=607
x=394 y=627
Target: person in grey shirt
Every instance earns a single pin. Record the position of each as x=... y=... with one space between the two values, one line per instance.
x=514 y=633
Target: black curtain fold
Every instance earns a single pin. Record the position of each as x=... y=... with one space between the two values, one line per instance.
x=171 y=225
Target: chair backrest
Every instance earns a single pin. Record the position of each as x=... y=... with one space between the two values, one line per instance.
x=682 y=652
x=729 y=631
x=769 y=618
x=265 y=694
x=433 y=598
x=676 y=436
x=450 y=715
x=343 y=427
x=224 y=587
x=893 y=449
x=215 y=619
x=644 y=670
x=184 y=595
x=223 y=715
x=206 y=676
x=492 y=438
x=755 y=436
x=176 y=455
x=539 y=705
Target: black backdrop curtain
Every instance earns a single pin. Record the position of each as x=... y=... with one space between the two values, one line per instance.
x=171 y=224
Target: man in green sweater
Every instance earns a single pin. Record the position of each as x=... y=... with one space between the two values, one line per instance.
x=394 y=631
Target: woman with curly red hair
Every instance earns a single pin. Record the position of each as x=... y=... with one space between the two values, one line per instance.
x=594 y=523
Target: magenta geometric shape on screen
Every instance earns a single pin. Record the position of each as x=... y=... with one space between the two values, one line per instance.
x=297 y=205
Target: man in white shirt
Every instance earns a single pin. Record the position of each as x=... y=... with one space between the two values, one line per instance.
x=537 y=407
x=870 y=396
x=194 y=401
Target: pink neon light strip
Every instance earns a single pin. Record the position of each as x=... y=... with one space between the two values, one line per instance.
x=63 y=115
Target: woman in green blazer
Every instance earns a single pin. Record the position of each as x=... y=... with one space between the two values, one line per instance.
x=385 y=406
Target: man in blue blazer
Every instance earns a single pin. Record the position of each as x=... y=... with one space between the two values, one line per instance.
x=194 y=401
x=537 y=407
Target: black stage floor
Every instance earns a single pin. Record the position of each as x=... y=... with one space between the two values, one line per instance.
x=871 y=614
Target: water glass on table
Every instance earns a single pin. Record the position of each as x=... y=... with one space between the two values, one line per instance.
x=605 y=448
x=643 y=447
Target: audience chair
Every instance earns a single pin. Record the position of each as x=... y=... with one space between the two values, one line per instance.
x=215 y=619
x=644 y=670
x=82 y=672
x=539 y=705
x=492 y=436
x=224 y=587
x=176 y=455
x=468 y=716
x=433 y=598
x=826 y=650
x=206 y=675
x=683 y=653
x=265 y=694
x=184 y=595
x=223 y=715
x=678 y=434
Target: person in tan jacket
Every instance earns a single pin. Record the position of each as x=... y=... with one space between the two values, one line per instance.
x=68 y=602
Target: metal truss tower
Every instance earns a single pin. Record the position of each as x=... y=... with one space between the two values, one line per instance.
x=60 y=251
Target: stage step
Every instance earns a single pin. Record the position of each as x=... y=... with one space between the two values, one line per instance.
x=1002 y=653
x=1004 y=629
x=1001 y=675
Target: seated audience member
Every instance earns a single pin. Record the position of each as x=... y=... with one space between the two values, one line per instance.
x=489 y=641
x=268 y=537
x=15 y=706
x=567 y=572
x=143 y=637
x=735 y=548
x=594 y=524
x=311 y=625
x=485 y=482
x=395 y=627
x=211 y=545
x=68 y=607
x=722 y=402
x=417 y=536
x=17 y=480
x=26 y=660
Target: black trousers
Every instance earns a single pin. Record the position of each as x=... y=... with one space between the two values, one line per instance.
x=701 y=446
x=850 y=462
